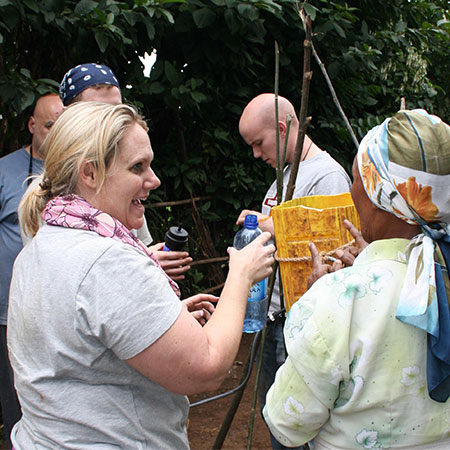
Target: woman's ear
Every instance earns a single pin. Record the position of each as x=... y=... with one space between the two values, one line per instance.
x=88 y=175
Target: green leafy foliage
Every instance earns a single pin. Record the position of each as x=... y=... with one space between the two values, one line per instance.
x=213 y=56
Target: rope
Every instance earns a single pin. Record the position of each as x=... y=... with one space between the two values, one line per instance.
x=326 y=256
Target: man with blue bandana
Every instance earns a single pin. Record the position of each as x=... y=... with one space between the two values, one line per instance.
x=369 y=345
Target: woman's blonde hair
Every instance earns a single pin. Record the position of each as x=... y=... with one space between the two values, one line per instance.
x=85 y=131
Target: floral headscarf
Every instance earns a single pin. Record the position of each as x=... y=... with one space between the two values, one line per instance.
x=404 y=165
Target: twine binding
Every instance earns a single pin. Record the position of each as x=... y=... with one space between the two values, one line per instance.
x=326 y=256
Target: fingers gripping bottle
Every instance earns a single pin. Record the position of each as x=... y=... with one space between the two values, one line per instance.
x=175 y=239
x=255 y=315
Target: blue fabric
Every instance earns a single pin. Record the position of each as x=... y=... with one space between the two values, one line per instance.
x=83 y=76
x=274 y=355
x=438 y=354
x=13 y=172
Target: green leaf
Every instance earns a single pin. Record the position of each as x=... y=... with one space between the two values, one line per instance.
x=203 y=17
x=102 y=40
x=167 y=15
x=84 y=7
x=198 y=96
x=27 y=99
x=339 y=30
x=26 y=73
x=171 y=73
x=49 y=16
x=48 y=81
x=310 y=9
x=31 y=4
x=130 y=17
x=5 y=3
x=248 y=11
x=232 y=21
x=150 y=28
x=110 y=19
x=157 y=70
x=10 y=18
x=1 y=38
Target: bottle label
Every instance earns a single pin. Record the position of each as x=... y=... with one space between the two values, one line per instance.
x=258 y=291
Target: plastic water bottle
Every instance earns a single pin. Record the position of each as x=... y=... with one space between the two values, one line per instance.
x=175 y=239
x=255 y=314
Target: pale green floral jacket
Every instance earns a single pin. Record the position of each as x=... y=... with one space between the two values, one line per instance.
x=355 y=375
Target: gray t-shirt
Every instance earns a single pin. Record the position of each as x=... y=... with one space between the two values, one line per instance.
x=80 y=304
x=320 y=175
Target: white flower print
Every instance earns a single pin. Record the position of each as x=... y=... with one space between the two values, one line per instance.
x=380 y=278
x=367 y=438
x=335 y=278
x=293 y=407
x=354 y=289
x=410 y=375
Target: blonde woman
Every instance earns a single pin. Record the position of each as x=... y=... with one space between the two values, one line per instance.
x=103 y=351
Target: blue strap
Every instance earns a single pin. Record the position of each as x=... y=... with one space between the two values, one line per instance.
x=438 y=351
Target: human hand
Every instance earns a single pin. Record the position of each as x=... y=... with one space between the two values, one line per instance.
x=200 y=306
x=175 y=264
x=254 y=261
x=265 y=223
x=348 y=255
x=319 y=269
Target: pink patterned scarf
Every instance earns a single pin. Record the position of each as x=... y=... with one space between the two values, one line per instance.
x=72 y=211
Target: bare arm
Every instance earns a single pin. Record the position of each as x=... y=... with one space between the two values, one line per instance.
x=191 y=358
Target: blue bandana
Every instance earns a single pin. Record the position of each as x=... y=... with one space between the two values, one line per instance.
x=83 y=76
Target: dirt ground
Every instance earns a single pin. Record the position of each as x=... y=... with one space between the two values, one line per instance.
x=205 y=421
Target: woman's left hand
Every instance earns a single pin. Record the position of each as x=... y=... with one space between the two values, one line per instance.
x=200 y=306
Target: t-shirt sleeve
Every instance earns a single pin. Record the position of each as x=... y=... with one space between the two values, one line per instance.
x=335 y=182
x=144 y=235
x=306 y=387
x=126 y=302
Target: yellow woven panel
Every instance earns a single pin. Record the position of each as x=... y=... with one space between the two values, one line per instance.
x=296 y=223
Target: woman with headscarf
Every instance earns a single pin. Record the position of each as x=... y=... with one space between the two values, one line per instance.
x=369 y=346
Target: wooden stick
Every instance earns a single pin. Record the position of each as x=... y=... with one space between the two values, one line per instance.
x=209 y=260
x=303 y=120
x=179 y=202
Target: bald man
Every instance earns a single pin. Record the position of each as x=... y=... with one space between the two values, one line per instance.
x=318 y=174
x=15 y=168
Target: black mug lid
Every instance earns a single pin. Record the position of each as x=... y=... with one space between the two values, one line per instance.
x=176 y=238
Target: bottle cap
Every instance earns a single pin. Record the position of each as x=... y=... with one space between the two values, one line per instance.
x=251 y=221
x=176 y=238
